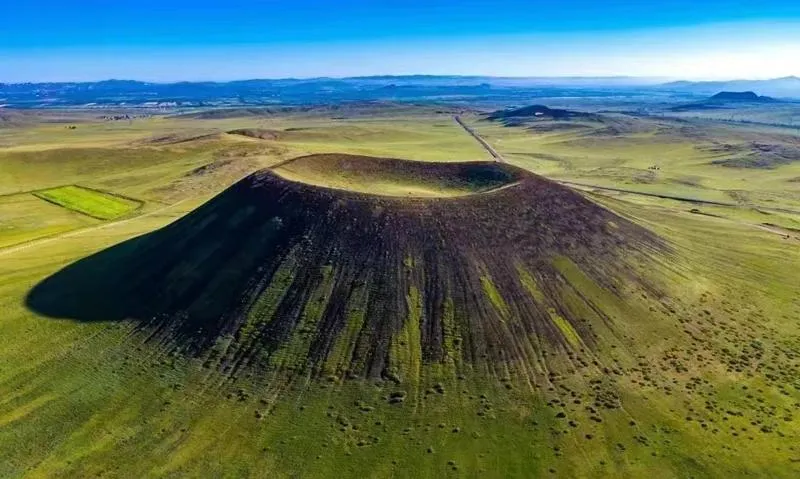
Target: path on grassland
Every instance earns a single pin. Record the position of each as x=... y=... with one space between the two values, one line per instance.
x=497 y=156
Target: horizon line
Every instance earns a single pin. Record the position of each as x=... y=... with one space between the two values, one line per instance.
x=666 y=79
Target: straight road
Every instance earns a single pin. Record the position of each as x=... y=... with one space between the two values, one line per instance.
x=494 y=153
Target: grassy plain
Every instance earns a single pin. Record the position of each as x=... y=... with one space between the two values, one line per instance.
x=655 y=155
x=89 y=202
x=703 y=382
x=24 y=217
x=162 y=160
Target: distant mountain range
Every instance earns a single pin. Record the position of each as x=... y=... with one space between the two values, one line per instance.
x=127 y=93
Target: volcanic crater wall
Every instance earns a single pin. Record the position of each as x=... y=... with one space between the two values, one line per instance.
x=281 y=275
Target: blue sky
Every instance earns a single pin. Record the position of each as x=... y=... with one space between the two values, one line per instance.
x=46 y=40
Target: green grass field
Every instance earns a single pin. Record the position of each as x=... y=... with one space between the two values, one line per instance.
x=89 y=202
x=702 y=382
x=24 y=217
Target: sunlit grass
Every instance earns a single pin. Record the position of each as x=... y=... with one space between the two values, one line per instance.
x=96 y=204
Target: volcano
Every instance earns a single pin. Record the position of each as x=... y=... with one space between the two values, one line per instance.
x=353 y=266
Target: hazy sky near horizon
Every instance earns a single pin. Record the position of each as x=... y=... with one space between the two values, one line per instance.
x=84 y=40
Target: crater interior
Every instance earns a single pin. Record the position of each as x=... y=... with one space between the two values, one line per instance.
x=393 y=177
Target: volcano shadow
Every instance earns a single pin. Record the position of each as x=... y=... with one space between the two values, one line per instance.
x=88 y=290
x=181 y=283
x=119 y=284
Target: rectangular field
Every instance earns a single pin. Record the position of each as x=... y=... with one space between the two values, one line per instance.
x=92 y=203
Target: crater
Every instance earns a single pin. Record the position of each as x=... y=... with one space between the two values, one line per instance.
x=401 y=178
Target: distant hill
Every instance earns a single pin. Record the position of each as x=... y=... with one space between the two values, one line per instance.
x=305 y=91
x=726 y=99
x=740 y=96
x=536 y=112
x=787 y=87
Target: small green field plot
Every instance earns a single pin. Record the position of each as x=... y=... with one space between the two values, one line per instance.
x=96 y=204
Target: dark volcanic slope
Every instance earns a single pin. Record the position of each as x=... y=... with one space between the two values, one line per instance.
x=288 y=276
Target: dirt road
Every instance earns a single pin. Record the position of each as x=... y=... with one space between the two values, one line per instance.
x=497 y=156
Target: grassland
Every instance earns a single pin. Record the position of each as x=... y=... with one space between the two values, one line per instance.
x=96 y=204
x=23 y=217
x=164 y=160
x=654 y=155
x=699 y=382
